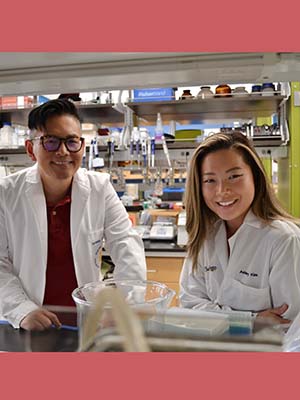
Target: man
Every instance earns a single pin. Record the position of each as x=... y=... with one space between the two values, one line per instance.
x=54 y=217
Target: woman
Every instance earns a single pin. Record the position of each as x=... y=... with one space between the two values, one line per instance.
x=243 y=248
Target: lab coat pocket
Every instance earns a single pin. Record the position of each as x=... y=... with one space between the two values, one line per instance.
x=95 y=239
x=242 y=297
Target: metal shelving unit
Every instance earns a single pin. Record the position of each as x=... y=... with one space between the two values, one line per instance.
x=209 y=110
x=90 y=112
x=196 y=110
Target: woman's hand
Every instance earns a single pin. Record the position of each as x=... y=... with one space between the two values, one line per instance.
x=275 y=314
x=39 y=320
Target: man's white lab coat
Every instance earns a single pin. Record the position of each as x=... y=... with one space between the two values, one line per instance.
x=96 y=214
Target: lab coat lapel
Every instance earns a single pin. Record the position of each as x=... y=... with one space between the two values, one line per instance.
x=80 y=194
x=36 y=201
x=221 y=245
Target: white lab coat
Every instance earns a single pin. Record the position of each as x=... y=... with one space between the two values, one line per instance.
x=96 y=214
x=260 y=273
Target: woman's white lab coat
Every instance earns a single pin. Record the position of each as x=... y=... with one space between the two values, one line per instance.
x=96 y=214
x=260 y=272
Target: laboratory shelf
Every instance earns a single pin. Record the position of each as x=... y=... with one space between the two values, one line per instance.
x=209 y=110
x=89 y=112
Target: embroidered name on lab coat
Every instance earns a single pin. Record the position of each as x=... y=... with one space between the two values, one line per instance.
x=210 y=268
x=253 y=274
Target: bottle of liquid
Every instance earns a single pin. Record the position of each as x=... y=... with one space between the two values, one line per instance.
x=186 y=94
x=6 y=134
x=223 y=90
x=267 y=89
x=256 y=90
x=159 y=129
x=20 y=136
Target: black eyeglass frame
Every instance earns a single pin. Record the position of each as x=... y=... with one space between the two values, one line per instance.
x=61 y=140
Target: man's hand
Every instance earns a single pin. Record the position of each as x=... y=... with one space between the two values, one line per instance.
x=39 y=320
x=275 y=314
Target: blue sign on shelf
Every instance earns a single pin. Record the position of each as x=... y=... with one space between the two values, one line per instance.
x=154 y=94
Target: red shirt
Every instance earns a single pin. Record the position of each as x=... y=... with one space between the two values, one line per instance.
x=60 y=274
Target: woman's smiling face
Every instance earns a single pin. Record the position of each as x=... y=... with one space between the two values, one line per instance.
x=227 y=186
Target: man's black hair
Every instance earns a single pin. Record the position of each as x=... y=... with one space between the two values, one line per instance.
x=39 y=116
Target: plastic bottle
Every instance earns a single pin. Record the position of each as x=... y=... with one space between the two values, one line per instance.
x=20 y=136
x=14 y=138
x=158 y=129
x=6 y=135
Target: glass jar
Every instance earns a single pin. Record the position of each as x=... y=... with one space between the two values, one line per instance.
x=205 y=93
x=223 y=90
x=240 y=91
x=186 y=94
x=256 y=90
x=267 y=89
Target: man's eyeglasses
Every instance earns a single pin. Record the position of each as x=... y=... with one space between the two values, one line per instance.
x=53 y=143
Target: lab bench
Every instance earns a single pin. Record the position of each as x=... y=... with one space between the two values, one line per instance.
x=164 y=262
x=51 y=340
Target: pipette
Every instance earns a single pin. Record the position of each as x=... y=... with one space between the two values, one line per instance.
x=110 y=148
x=152 y=152
x=144 y=151
x=91 y=154
x=138 y=153
x=166 y=151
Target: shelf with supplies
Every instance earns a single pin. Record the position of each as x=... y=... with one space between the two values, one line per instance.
x=211 y=109
x=89 y=112
x=180 y=150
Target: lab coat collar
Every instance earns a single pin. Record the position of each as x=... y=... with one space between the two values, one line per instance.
x=80 y=178
x=33 y=175
x=250 y=219
x=220 y=238
x=80 y=193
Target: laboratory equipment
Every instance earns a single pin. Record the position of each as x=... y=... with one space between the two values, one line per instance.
x=163 y=230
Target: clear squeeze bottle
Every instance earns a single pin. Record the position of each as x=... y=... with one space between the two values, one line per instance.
x=159 y=129
x=6 y=134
